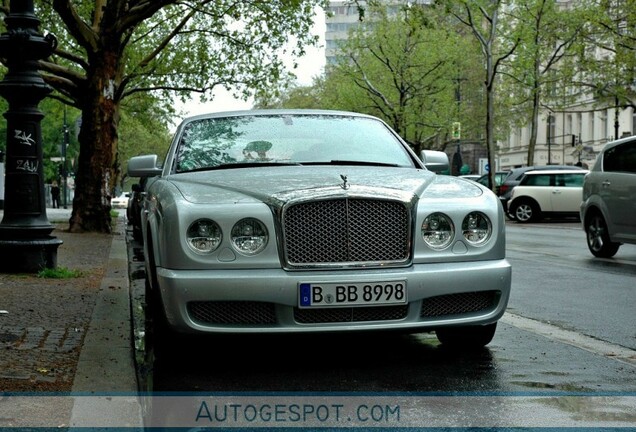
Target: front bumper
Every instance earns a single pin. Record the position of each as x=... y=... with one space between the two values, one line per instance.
x=483 y=285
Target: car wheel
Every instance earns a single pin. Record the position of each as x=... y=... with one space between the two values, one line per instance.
x=598 y=241
x=137 y=234
x=161 y=340
x=466 y=337
x=525 y=211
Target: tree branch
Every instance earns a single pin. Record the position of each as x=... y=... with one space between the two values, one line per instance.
x=142 y=11
x=64 y=86
x=71 y=57
x=61 y=71
x=167 y=39
x=81 y=32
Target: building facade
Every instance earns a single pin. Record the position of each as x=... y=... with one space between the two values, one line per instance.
x=573 y=136
x=340 y=17
x=343 y=16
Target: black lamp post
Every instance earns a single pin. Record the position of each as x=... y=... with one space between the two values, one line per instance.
x=64 y=168
x=616 y=117
x=25 y=241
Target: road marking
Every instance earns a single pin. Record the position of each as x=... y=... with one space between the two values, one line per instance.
x=587 y=343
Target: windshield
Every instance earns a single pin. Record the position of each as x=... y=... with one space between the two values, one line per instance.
x=287 y=139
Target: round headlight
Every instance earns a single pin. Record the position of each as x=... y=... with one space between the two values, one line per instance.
x=438 y=231
x=204 y=236
x=249 y=236
x=476 y=228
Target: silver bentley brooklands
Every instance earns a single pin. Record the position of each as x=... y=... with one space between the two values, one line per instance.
x=317 y=221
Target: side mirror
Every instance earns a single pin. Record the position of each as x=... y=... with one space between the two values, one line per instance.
x=143 y=166
x=435 y=161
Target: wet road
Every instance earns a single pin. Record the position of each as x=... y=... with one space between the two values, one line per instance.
x=557 y=280
x=570 y=327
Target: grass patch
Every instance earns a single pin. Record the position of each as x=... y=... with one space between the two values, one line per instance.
x=59 y=273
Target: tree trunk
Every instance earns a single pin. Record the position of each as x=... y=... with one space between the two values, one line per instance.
x=534 y=128
x=490 y=117
x=490 y=135
x=97 y=169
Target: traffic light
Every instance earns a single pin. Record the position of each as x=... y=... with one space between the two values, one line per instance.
x=457 y=130
x=573 y=140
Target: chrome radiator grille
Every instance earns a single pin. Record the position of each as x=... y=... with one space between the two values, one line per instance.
x=347 y=230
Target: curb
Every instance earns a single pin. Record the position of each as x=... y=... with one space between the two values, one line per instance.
x=106 y=362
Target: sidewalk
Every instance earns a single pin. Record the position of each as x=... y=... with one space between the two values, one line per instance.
x=71 y=334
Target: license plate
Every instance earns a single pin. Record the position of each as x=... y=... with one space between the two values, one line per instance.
x=351 y=294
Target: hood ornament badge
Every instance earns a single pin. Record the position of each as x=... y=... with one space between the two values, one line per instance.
x=344 y=184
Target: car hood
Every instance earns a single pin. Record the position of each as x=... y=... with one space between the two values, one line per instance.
x=284 y=184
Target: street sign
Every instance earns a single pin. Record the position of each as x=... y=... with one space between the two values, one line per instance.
x=483 y=166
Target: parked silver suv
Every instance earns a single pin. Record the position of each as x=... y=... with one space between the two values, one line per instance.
x=608 y=210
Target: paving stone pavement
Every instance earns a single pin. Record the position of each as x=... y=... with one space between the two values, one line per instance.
x=55 y=340
x=68 y=335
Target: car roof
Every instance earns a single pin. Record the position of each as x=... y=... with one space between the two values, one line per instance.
x=611 y=144
x=516 y=173
x=546 y=167
x=265 y=112
x=497 y=173
x=557 y=171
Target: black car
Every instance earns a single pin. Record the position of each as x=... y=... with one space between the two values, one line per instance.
x=133 y=211
x=500 y=176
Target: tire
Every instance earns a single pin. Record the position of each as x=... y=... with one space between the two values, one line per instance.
x=598 y=240
x=161 y=340
x=525 y=211
x=137 y=234
x=466 y=337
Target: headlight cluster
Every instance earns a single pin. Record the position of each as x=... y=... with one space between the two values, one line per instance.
x=438 y=230
x=476 y=228
x=248 y=236
x=204 y=236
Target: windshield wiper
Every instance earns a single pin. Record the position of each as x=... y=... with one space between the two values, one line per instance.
x=242 y=165
x=351 y=162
